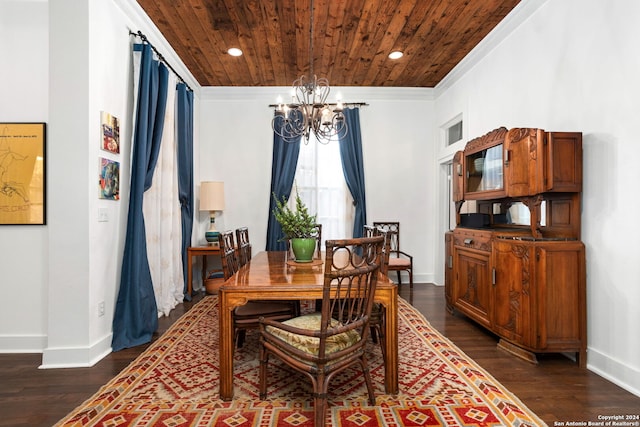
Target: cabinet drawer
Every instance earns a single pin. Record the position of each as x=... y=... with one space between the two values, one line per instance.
x=472 y=239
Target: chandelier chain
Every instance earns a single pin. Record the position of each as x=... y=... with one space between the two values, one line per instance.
x=311 y=21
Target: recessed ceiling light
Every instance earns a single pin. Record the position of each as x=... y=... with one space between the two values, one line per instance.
x=234 y=51
x=395 y=55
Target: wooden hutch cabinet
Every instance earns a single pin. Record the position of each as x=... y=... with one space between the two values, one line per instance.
x=515 y=263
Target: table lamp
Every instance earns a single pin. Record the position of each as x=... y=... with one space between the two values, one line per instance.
x=212 y=200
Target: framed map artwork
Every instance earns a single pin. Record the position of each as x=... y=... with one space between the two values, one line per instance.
x=22 y=174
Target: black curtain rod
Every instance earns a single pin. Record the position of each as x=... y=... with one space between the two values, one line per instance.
x=160 y=57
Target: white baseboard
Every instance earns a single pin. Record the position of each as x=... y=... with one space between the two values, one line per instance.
x=417 y=278
x=76 y=357
x=614 y=370
x=22 y=344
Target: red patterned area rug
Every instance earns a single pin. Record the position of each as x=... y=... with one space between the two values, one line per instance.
x=175 y=383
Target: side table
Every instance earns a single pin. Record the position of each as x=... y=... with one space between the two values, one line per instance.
x=202 y=251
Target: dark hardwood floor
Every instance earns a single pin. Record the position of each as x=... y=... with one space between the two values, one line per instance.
x=555 y=389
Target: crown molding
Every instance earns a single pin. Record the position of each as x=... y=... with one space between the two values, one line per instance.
x=270 y=94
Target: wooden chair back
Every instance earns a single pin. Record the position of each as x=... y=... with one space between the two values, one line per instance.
x=372 y=231
x=369 y=231
x=350 y=278
x=244 y=246
x=318 y=253
x=394 y=234
x=386 y=250
x=228 y=254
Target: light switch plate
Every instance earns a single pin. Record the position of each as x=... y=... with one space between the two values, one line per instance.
x=103 y=214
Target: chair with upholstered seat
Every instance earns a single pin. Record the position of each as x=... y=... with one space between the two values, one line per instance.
x=248 y=316
x=320 y=345
x=398 y=260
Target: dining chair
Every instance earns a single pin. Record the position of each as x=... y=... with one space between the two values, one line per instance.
x=228 y=262
x=398 y=260
x=378 y=312
x=320 y=345
x=248 y=316
x=369 y=231
x=243 y=245
x=318 y=253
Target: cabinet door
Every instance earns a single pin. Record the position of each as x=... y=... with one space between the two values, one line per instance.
x=563 y=162
x=448 y=269
x=513 y=287
x=483 y=166
x=561 y=293
x=457 y=192
x=472 y=290
x=521 y=166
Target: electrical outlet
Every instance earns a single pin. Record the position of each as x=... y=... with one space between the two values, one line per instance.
x=101 y=309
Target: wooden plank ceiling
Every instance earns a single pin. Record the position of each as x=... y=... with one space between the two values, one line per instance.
x=351 y=38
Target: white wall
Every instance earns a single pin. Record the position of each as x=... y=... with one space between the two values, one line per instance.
x=573 y=66
x=63 y=63
x=25 y=95
x=398 y=150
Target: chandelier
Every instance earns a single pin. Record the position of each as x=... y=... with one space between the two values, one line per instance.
x=308 y=112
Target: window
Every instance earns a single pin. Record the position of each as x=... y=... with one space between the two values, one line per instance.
x=454 y=132
x=320 y=182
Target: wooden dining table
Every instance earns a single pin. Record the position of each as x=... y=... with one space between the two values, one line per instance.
x=271 y=276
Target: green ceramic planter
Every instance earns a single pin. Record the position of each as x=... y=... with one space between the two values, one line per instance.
x=303 y=249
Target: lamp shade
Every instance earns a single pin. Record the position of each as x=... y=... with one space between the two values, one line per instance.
x=212 y=196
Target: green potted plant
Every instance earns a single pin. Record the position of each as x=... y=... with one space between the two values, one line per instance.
x=298 y=226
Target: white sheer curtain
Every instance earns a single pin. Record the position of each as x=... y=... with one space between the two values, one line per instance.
x=320 y=182
x=161 y=209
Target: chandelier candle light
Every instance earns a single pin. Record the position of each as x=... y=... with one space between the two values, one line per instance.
x=212 y=200
x=309 y=111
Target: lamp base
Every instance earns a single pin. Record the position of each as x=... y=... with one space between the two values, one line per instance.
x=212 y=238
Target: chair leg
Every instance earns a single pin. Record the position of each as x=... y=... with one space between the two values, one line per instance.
x=399 y=279
x=411 y=278
x=264 y=360
x=374 y=334
x=240 y=336
x=320 y=401
x=381 y=337
x=377 y=337
x=376 y=324
x=367 y=379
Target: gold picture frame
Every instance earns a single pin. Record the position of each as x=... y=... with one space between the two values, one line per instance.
x=22 y=174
